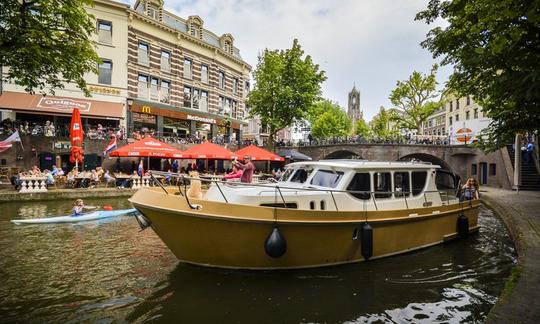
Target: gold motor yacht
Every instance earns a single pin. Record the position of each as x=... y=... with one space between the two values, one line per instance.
x=320 y=213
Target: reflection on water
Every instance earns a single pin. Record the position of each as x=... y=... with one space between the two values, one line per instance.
x=109 y=271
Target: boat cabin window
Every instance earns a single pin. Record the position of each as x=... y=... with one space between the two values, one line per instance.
x=445 y=180
x=418 y=182
x=326 y=178
x=401 y=184
x=286 y=175
x=323 y=205
x=360 y=182
x=382 y=184
x=301 y=175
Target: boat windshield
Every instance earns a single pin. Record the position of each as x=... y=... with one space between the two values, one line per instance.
x=326 y=178
x=301 y=175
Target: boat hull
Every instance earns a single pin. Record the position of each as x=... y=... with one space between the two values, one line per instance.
x=233 y=236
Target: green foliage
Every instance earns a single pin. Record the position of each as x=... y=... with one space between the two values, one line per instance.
x=286 y=86
x=495 y=50
x=46 y=43
x=384 y=125
x=414 y=97
x=362 y=128
x=332 y=121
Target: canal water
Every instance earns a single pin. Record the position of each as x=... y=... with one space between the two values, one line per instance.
x=109 y=271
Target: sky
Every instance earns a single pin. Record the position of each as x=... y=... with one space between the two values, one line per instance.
x=367 y=43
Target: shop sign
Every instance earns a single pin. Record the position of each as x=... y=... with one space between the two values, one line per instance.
x=146 y=109
x=104 y=90
x=62 y=145
x=201 y=119
x=66 y=104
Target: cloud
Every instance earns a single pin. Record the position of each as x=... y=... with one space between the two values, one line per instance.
x=370 y=43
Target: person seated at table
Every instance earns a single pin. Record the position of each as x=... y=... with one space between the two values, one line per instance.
x=100 y=172
x=236 y=173
x=108 y=178
x=78 y=208
x=94 y=178
x=16 y=180
x=54 y=171
x=50 y=178
x=71 y=179
x=35 y=171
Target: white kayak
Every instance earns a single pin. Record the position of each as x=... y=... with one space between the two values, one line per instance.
x=100 y=214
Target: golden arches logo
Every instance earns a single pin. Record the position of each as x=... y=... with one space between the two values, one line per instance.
x=146 y=109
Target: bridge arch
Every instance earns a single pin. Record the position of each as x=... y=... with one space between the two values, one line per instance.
x=342 y=154
x=427 y=158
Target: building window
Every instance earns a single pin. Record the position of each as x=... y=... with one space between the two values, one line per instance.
x=221 y=105
x=104 y=32
x=143 y=53
x=457 y=104
x=468 y=100
x=235 y=86
x=195 y=99
x=467 y=115
x=475 y=113
x=492 y=169
x=457 y=117
x=227 y=108
x=187 y=68
x=143 y=86
x=221 y=80
x=187 y=97
x=234 y=109
x=154 y=91
x=195 y=30
x=105 y=72
x=165 y=60
x=203 y=102
x=165 y=91
x=450 y=120
x=474 y=169
x=451 y=106
x=204 y=73
x=153 y=12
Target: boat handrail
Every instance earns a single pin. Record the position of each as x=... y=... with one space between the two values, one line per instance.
x=275 y=189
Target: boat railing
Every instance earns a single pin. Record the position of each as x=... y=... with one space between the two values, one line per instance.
x=449 y=194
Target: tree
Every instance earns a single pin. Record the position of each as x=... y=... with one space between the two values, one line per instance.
x=415 y=97
x=333 y=122
x=361 y=128
x=494 y=47
x=286 y=86
x=383 y=124
x=46 y=43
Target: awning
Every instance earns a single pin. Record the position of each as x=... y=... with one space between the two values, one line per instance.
x=60 y=105
x=258 y=154
x=294 y=155
x=148 y=147
x=208 y=150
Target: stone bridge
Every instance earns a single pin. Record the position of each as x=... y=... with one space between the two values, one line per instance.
x=494 y=168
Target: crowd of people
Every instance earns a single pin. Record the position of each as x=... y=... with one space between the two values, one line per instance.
x=411 y=140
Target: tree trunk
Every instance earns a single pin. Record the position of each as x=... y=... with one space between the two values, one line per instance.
x=270 y=142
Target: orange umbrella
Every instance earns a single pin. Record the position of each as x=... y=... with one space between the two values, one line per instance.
x=258 y=154
x=149 y=147
x=76 y=138
x=208 y=150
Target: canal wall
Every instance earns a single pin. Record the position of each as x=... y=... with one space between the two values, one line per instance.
x=520 y=300
x=65 y=194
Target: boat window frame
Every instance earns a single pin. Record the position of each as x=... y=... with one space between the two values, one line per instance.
x=402 y=195
x=388 y=194
x=423 y=189
x=309 y=170
x=366 y=196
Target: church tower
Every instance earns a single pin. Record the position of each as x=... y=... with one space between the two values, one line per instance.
x=354 y=106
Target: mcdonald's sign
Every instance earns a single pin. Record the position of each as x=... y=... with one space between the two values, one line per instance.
x=146 y=109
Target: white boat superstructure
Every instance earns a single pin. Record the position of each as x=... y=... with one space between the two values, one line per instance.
x=347 y=185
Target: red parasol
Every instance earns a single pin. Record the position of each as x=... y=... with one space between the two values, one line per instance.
x=258 y=154
x=208 y=150
x=148 y=147
x=76 y=137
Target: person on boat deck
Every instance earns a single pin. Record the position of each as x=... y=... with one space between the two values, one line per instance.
x=78 y=208
x=234 y=174
x=470 y=190
x=247 y=167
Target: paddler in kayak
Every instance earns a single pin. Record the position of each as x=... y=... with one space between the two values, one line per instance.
x=78 y=209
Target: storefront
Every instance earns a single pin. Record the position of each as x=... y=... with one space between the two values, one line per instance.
x=38 y=110
x=177 y=122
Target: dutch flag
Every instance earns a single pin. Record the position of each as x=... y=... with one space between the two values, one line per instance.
x=110 y=147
